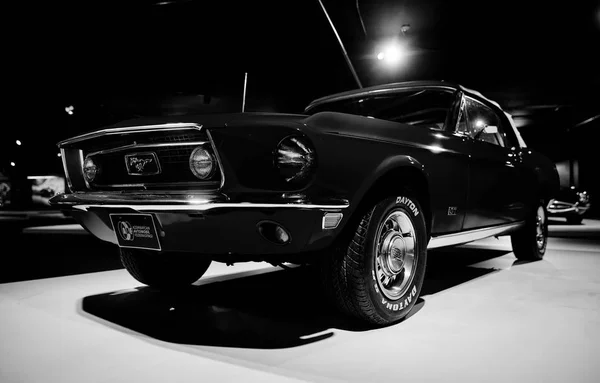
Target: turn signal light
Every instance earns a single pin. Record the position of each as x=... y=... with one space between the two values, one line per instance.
x=331 y=220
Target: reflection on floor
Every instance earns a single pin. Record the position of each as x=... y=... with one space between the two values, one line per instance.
x=482 y=317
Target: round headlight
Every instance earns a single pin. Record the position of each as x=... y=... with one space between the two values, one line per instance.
x=202 y=163
x=90 y=170
x=295 y=158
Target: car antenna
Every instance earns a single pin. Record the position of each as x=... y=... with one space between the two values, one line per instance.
x=244 y=94
x=348 y=61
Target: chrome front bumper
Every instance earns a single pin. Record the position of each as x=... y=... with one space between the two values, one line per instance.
x=183 y=202
x=212 y=224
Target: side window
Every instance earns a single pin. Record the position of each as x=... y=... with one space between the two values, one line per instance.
x=483 y=124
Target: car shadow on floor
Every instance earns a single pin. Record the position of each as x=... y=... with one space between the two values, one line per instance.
x=450 y=267
x=273 y=310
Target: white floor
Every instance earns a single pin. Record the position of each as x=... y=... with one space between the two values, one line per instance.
x=534 y=322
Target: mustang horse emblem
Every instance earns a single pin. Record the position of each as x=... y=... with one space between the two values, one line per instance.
x=142 y=164
x=139 y=163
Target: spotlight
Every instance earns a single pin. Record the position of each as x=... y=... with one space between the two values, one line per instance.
x=392 y=54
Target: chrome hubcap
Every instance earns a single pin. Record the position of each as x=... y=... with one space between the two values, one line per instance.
x=396 y=258
x=540 y=225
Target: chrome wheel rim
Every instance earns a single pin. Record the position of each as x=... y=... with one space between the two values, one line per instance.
x=395 y=254
x=540 y=225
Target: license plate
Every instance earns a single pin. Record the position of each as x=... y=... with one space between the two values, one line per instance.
x=136 y=231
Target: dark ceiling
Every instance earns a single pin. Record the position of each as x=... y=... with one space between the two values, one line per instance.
x=543 y=50
x=116 y=59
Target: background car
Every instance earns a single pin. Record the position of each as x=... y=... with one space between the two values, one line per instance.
x=571 y=203
x=4 y=190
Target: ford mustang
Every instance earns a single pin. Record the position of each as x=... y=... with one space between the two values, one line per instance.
x=361 y=185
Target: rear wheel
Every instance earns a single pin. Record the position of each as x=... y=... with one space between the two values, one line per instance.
x=377 y=276
x=529 y=243
x=166 y=270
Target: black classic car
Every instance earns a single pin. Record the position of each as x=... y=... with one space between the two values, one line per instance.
x=571 y=203
x=360 y=185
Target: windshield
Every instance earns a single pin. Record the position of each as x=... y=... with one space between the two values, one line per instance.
x=423 y=107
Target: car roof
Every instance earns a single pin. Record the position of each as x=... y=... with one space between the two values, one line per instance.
x=394 y=87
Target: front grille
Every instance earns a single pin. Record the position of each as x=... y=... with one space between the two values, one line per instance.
x=172 y=152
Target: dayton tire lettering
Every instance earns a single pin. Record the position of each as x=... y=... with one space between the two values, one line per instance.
x=402 y=304
x=411 y=205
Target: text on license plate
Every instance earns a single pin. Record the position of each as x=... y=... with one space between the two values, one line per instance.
x=136 y=231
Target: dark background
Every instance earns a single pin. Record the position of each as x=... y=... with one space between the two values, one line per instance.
x=113 y=60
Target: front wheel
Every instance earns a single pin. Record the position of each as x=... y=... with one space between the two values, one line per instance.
x=529 y=243
x=166 y=270
x=377 y=276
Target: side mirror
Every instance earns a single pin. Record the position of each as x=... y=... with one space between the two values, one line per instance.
x=490 y=129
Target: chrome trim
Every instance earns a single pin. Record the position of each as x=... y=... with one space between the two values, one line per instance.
x=128 y=198
x=472 y=235
x=480 y=95
x=81 y=163
x=558 y=207
x=64 y=163
x=145 y=146
x=212 y=206
x=396 y=254
x=587 y=121
x=393 y=88
x=217 y=156
x=131 y=129
x=577 y=209
x=163 y=184
x=520 y=139
x=144 y=129
x=122 y=185
x=557 y=202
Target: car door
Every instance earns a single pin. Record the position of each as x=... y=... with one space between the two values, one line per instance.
x=495 y=171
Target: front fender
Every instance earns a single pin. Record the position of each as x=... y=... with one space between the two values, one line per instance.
x=349 y=167
x=388 y=165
